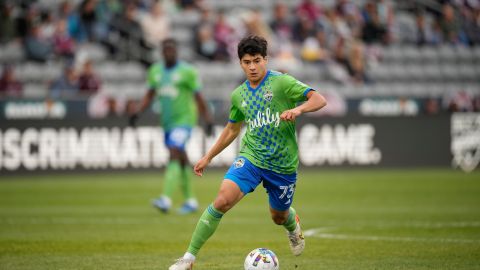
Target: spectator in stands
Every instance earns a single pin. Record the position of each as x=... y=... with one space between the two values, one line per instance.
x=459 y=101
x=476 y=103
x=204 y=40
x=450 y=25
x=74 y=25
x=27 y=18
x=356 y=62
x=88 y=81
x=188 y=4
x=130 y=32
x=47 y=24
x=223 y=34
x=421 y=35
x=37 y=48
x=206 y=45
x=373 y=30
x=63 y=44
x=105 y=10
x=431 y=106
x=9 y=85
x=471 y=25
x=280 y=24
x=386 y=17
x=66 y=85
x=156 y=25
x=312 y=50
x=310 y=10
x=88 y=18
x=304 y=28
x=7 y=23
x=255 y=24
x=340 y=26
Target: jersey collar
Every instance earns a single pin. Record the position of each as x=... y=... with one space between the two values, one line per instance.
x=259 y=85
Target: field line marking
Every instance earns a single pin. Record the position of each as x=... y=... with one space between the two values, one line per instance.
x=320 y=233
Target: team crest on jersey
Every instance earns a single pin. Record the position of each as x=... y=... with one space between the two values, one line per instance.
x=268 y=95
x=239 y=163
x=244 y=104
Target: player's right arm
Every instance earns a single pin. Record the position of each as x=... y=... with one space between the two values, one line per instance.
x=153 y=82
x=146 y=101
x=228 y=135
x=144 y=104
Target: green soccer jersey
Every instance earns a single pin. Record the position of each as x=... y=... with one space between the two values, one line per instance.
x=269 y=143
x=175 y=90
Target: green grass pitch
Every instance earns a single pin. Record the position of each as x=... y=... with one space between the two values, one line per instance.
x=354 y=219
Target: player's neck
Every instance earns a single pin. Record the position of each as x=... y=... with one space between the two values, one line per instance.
x=256 y=83
x=170 y=64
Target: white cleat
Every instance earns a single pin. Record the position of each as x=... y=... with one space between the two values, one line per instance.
x=182 y=264
x=296 y=239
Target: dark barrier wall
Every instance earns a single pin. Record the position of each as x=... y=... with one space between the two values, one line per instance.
x=380 y=141
x=108 y=144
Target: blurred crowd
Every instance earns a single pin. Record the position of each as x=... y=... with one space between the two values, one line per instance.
x=344 y=36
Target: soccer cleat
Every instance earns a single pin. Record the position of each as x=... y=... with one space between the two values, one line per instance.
x=163 y=204
x=190 y=206
x=182 y=264
x=296 y=238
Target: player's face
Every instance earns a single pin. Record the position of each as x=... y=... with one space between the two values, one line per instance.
x=170 y=54
x=254 y=66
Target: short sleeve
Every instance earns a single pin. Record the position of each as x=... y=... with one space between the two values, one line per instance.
x=236 y=114
x=195 y=82
x=296 y=90
x=153 y=77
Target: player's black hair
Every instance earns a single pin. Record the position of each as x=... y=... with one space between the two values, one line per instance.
x=252 y=45
x=169 y=42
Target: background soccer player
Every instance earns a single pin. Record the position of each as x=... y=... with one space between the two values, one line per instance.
x=176 y=84
x=266 y=102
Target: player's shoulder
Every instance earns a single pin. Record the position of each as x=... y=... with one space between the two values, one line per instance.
x=155 y=67
x=281 y=77
x=236 y=92
x=275 y=73
x=187 y=66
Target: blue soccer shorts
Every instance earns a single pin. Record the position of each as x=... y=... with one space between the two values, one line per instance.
x=178 y=137
x=280 y=187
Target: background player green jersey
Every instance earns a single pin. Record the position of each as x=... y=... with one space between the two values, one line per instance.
x=269 y=143
x=175 y=89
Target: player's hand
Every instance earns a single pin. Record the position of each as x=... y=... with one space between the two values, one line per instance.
x=201 y=165
x=209 y=129
x=290 y=115
x=132 y=120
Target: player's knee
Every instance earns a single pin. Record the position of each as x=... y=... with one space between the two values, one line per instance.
x=222 y=204
x=279 y=219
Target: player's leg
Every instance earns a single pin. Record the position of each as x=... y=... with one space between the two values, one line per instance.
x=281 y=189
x=175 y=140
x=241 y=178
x=229 y=195
x=190 y=204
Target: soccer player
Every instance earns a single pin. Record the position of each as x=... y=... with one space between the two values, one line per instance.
x=176 y=85
x=267 y=103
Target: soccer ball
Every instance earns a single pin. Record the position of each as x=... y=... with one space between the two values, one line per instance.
x=261 y=258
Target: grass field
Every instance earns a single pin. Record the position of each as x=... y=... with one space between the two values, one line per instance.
x=361 y=219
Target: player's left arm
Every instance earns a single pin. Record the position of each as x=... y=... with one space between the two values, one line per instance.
x=315 y=102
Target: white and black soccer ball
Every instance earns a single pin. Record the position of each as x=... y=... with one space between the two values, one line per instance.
x=261 y=258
